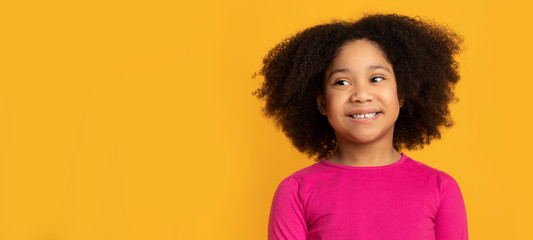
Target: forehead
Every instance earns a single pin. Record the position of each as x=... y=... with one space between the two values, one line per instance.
x=359 y=54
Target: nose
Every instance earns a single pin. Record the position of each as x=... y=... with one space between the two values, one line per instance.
x=361 y=94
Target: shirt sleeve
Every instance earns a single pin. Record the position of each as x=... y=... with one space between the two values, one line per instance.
x=287 y=218
x=450 y=221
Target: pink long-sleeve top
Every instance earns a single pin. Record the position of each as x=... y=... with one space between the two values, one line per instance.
x=404 y=200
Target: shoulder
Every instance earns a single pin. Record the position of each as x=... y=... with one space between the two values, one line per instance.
x=291 y=187
x=421 y=167
x=306 y=175
x=313 y=173
x=437 y=177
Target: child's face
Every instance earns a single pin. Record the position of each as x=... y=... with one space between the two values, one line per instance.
x=360 y=95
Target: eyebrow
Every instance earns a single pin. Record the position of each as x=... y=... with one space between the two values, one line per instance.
x=373 y=67
x=380 y=67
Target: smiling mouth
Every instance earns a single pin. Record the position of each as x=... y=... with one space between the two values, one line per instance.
x=363 y=116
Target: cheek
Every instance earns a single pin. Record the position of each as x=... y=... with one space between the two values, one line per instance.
x=334 y=101
x=392 y=96
x=391 y=103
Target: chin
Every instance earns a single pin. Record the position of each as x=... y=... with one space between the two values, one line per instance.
x=363 y=139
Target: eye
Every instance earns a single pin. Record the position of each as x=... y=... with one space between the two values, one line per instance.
x=377 y=79
x=342 y=82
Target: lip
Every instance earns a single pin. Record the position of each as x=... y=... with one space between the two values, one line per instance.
x=363 y=111
x=365 y=120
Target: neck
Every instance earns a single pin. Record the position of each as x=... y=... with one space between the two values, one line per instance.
x=377 y=153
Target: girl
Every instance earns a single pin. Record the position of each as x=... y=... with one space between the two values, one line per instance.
x=352 y=95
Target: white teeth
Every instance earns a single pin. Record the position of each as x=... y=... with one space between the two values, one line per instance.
x=360 y=116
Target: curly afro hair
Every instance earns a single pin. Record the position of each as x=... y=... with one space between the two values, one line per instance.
x=421 y=53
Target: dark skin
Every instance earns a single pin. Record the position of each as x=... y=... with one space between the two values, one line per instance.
x=361 y=79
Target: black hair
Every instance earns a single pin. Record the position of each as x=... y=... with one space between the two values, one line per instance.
x=420 y=51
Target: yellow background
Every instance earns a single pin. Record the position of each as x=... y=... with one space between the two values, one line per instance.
x=135 y=119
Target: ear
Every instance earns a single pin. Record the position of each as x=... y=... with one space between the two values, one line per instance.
x=321 y=104
x=401 y=100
